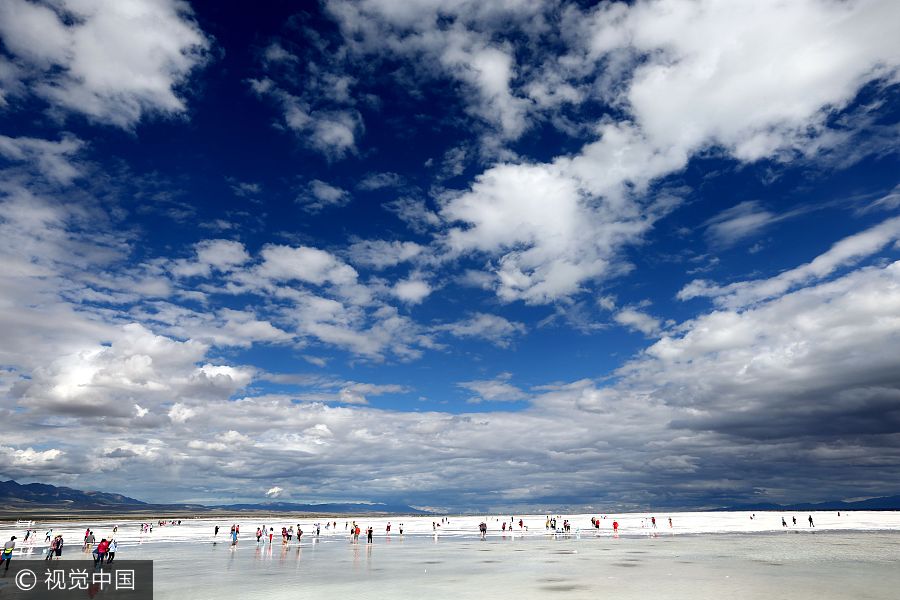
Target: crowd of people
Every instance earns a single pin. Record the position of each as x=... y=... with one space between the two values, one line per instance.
x=266 y=534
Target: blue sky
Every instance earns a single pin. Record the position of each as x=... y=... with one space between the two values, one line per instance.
x=499 y=255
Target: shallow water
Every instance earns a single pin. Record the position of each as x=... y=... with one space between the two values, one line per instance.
x=799 y=566
x=750 y=560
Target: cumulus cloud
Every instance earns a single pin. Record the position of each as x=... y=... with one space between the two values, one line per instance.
x=497 y=389
x=746 y=90
x=494 y=328
x=412 y=291
x=54 y=160
x=462 y=41
x=723 y=392
x=639 y=320
x=304 y=263
x=212 y=255
x=547 y=234
x=274 y=492
x=321 y=195
x=112 y=62
x=812 y=363
x=331 y=132
x=381 y=254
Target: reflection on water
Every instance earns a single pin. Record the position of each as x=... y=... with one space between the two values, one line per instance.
x=836 y=565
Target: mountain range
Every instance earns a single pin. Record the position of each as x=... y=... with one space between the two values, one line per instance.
x=39 y=496
x=23 y=498
x=881 y=503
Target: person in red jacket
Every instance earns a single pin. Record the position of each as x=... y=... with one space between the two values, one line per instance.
x=100 y=552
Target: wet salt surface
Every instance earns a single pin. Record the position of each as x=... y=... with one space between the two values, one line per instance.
x=835 y=562
x=820 y=566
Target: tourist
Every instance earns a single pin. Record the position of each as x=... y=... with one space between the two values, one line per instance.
x=100 y=552
x=111 y=551
x=51 y=549
x=8 y=548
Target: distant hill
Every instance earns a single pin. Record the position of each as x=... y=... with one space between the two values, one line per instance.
x=883 y=503
x=33 y=495
x=38 y=496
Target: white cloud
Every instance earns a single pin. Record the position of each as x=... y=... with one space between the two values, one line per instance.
x=53 y=159
x=843 y=253
x=729 y=74
x=321 y=195
x=31 y=458
x=304 y=263
x=412 y=291
x=415 y=213
x=494 y=328
x=683 y=415
x=489 y=69
x=493 y=390
x=700 y=76
x=381 y=254
x=539 y=220
x=377 y=181
x=455 y=41
x=738 y=222
x=110 y=61
x=357 y=393
x=785 y=366
x=245 y=189
x=888 y=201
x=275 y=53
x=219 y=255
x=332 y=131
x=638 y=320
x=274 y=492
x=179 y=413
